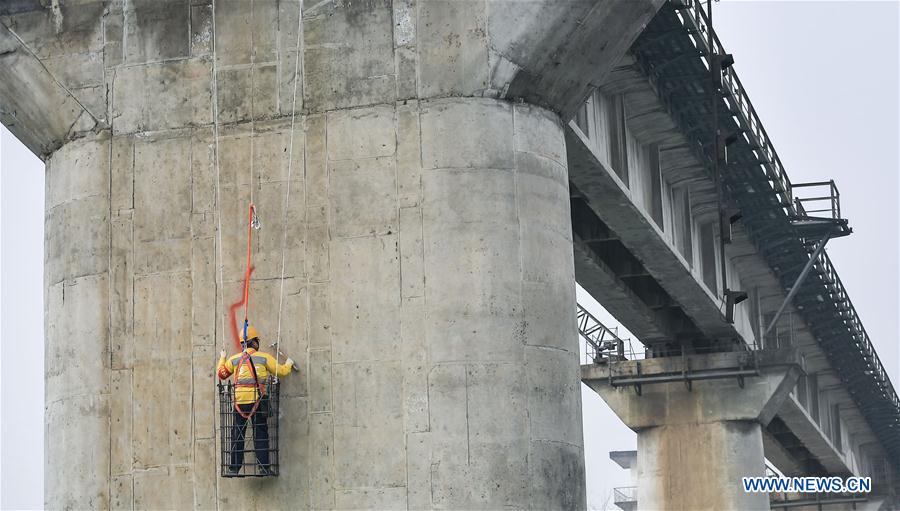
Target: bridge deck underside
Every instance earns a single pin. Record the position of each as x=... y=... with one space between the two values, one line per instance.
x=667 y=53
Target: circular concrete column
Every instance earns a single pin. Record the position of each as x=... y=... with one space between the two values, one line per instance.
x=428 y=299
x=77 y=395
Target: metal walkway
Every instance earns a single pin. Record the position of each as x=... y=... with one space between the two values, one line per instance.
x=672 y=52
x=602 y=343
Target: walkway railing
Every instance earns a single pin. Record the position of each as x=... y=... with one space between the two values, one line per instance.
x=601 y=342
x=825 y=199
x=695 y=19
x=838 y=294
x=696 y=22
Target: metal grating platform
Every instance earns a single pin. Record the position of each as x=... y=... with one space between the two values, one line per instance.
x=672 y=52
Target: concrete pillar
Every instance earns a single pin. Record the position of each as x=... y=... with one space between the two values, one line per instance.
x=429 y=283
x=696 y=442
x=428 y=290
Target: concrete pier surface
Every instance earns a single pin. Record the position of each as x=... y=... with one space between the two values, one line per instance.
x=428 y=284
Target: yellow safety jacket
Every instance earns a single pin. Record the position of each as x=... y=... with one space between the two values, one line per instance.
x=245 y=391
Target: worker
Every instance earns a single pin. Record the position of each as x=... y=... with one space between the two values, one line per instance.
x=251 y=369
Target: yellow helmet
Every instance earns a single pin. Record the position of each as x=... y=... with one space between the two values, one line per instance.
x=251 y=333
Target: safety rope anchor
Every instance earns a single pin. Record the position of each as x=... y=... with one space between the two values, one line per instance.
x=254 y=220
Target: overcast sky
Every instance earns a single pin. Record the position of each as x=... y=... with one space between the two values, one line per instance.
x=823 y=77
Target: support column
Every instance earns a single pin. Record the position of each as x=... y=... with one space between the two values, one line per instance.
x=428 y=283
x=697 y=440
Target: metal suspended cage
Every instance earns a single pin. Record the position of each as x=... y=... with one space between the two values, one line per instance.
x=249 y=446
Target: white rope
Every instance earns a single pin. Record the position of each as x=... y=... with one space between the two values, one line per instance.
x=220 y=261
x=252 y=101
x=252 y=136
x=287 y=195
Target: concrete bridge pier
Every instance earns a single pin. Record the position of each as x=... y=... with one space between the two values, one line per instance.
x=426 y=243
x=696 y=442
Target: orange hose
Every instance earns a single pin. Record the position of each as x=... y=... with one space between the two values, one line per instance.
x=245 y=294
x=232 y=311
x=250 y=212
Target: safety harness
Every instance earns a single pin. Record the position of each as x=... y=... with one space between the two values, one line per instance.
x=259 y=388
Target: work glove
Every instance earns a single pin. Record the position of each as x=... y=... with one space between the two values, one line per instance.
x=222 y=354
x=289 y=362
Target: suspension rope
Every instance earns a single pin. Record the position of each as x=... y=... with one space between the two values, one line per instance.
x=287 y=194
x=251 y=223
x=252 y=209
x=220 y=276
x=220 y=284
